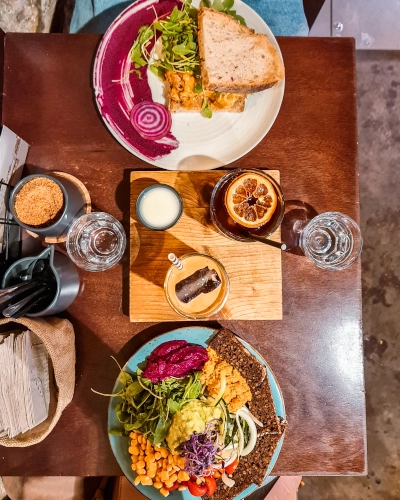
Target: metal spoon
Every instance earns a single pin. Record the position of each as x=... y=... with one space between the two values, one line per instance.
x=11 y=310
x=13 y=288
x=27 y=274
x=4 y=299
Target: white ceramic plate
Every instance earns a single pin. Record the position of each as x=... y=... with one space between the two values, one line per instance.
x=203 y=143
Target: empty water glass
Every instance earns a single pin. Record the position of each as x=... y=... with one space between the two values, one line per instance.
x=331 y=241
x=96 y=241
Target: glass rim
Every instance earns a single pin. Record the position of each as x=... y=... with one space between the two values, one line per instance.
x=141 y=196
x=352 y=258
x=235 y=173
x=87 y=265
x=227 y=290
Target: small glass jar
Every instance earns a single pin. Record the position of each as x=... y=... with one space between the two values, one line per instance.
x=205 y=304
x=159 y=207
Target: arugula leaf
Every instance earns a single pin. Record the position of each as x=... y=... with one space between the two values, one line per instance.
x=173 y=406
x=145 y=33
x=179 y=47
x=133 y=389
x=228 y=4
x=237 y=17
x=141 y=419
x=195 y=390
x=123 y=416
x=160 y=72
x=174 y=15
x=161 y=431
x=226 y=7
x=115 y=432
x=125 y=379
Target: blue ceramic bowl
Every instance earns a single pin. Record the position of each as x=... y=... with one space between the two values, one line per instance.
x=119 y=444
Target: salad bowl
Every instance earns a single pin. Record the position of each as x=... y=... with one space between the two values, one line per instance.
x=120 y=444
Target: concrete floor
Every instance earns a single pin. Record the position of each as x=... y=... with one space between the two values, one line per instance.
x=378 y=93
x=26 y=16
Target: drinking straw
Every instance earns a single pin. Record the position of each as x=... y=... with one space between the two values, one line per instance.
x=266 y=241
x=175 y=261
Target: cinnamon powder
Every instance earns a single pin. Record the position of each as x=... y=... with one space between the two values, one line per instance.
x=39 y=203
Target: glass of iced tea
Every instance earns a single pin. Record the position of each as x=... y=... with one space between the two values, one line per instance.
x=198 y=287
x=247 y=201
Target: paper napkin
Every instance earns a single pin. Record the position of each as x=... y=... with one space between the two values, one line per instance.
x=24 y=383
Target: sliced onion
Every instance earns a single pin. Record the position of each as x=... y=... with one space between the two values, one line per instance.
x=240 y=432
x=252 y=430
x=244 y=408
x=227 y=480
x=232 y=458
x=151 y=120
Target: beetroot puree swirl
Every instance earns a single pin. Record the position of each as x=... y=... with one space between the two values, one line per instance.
x=117 y=90
x=175 y=358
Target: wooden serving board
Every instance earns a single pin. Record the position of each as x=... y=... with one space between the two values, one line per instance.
x=254 y=269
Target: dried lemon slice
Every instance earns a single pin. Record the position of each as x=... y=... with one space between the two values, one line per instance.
x=251 y=200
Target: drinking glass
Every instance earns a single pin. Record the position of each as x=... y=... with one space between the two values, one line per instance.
x=205 y=304
x=331 y=241
x=96 y=241
x=226 y=225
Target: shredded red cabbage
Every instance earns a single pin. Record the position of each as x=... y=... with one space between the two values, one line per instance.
x=199 y=451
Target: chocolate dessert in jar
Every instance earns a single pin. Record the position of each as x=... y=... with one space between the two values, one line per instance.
x=196 y=286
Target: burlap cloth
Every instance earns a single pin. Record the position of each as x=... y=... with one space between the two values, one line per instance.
x=59 y=338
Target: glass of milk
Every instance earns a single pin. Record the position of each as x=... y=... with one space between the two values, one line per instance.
x=159 y=207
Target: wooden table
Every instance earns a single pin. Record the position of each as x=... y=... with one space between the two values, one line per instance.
x=315 y=352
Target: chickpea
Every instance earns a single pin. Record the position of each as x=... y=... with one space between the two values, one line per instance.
x=134 y=450
x=164 y=476
x=146 y=480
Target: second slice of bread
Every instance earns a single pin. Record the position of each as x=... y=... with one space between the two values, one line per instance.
x=234 y=58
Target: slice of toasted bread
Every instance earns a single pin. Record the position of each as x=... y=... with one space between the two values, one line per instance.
x=182 y=96
x=234 y=58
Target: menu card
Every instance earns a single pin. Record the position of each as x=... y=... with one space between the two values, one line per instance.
x=13 y=152
x=24 y=383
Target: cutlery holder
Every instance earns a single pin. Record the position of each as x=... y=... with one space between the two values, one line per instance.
x=65 y=275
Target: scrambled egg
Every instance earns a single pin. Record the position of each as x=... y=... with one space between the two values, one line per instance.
x=237 y=392
x=182 y=96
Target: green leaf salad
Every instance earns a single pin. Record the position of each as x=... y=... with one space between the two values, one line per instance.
x=149 y=407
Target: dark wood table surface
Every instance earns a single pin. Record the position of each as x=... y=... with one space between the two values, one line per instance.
x=315 y=352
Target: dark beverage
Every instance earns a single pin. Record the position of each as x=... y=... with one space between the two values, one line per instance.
x=256 y=203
